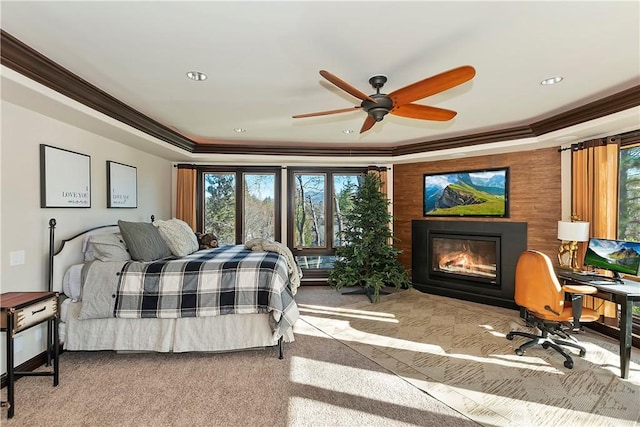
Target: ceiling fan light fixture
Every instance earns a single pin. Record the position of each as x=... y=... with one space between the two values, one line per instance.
x=378 y=113
x=196 y=76
x=551 y=80
x=377 y=110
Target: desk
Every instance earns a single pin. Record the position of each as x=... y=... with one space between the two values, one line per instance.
x=20 y=311
x=624 y=295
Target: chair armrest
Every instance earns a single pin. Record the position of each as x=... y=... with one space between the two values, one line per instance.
x=579 y=289
x=576 y=292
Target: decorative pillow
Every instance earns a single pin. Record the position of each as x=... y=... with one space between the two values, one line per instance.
x=177 y=234
x=72 y=282
x=106 y=247
x=143 y=241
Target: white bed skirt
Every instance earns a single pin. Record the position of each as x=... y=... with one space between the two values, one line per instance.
x=219 y=333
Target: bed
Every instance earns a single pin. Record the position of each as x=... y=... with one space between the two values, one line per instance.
x=228 y=298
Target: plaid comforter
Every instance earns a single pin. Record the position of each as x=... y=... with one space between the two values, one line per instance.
x=225 y=280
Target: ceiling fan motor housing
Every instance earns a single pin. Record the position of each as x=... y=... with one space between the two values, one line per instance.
x=377 y=110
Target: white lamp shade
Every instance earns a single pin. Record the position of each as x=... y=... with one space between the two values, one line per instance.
x=577 y=231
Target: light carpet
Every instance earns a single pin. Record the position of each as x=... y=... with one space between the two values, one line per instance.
x=320 y=382
x=456 y=351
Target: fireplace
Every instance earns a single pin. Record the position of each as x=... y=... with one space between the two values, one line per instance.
x=465 y=257
x=471 y=260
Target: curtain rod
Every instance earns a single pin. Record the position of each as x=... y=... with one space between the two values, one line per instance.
x=614 y=139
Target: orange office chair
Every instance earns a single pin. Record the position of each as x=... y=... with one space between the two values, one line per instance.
x=538 y=291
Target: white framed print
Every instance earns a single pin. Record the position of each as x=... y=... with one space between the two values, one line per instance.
x=65 y=178
x=122 y=185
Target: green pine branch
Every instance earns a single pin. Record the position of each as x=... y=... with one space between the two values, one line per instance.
x=367 y=258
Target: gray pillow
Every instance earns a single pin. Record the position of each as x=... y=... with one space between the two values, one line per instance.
x=143 y=241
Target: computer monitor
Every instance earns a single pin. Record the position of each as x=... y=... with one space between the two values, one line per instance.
x=618 y=256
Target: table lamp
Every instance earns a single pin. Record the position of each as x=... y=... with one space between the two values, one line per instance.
x=571 y=232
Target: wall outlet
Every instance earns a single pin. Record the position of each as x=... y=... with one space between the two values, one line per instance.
x=16 y=258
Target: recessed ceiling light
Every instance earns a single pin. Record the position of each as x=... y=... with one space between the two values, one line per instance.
x=551 y=80
x=197 y=76
x=348 y=131
x=239 y=130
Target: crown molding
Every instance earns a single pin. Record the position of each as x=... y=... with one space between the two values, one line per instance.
x=289 y=150
x=466 y=140
x=25 y=60
x=615 y=103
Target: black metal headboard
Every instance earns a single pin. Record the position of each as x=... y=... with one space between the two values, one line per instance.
x=53 y=251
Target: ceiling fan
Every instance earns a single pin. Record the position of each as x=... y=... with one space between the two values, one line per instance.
x=399 y=102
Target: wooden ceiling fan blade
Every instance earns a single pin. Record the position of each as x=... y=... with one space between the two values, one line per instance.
x=337 y=81
x=326 y=113
x=368 y=124
x=423 y=112
x=432 y=85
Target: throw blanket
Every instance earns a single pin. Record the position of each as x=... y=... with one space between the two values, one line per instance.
x=225 y=280
x=265 y=245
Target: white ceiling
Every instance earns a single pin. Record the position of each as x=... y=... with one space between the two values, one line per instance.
x=262 y=60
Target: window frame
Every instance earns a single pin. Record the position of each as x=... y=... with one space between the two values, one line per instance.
x=633 y=144
x=329 y=249
x=239 y=190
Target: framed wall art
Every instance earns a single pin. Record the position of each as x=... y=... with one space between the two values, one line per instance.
x=65 y=178
x=122 y=185
x=467 y=193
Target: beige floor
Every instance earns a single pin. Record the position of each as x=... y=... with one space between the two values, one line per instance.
x=456 y=351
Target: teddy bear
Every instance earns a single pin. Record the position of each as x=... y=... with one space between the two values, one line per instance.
x=207 y=241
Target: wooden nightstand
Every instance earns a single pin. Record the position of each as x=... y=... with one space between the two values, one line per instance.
x=20 y=311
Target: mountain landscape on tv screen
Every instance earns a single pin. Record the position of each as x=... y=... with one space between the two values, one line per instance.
x=459 y=194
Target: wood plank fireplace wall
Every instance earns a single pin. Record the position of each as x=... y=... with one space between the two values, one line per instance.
x=534 y=195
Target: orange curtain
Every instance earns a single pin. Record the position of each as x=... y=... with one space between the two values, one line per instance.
x=594 y=174
x=186 y=196
x=595 y=186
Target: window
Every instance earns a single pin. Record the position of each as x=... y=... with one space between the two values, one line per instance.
x=319 y=199
x=259 y=206
x=629 y=194
x=239 y=204
x=220 y=206
x=629 y=204
x=344 y=187
x=309 y=201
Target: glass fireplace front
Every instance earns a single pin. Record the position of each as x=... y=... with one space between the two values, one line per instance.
x=472 y=258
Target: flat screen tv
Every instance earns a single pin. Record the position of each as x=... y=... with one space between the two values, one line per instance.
x=617 y=256
x=468 y=193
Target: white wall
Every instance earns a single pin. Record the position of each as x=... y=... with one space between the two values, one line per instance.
x=24 y=225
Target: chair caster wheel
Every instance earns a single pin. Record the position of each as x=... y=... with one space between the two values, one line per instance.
x=545 y=345
x=519 y=352
x=582 y=353
x=510 y=337
x=568 y=365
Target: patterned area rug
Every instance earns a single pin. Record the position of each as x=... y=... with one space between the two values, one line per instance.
x=456 y=351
